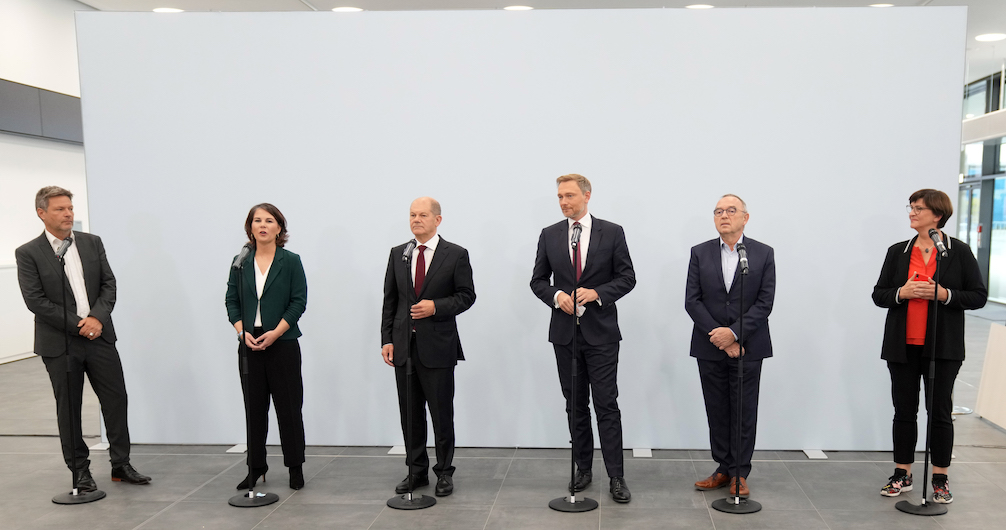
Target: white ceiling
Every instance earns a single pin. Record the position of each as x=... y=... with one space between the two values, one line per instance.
x=984 y=16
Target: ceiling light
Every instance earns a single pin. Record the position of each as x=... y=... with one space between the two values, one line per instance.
x=969 y=115
x=881 y=5
x=347 y=9
x=699 y=6
x=990 y=37
x=518 y=8
x=168 y=10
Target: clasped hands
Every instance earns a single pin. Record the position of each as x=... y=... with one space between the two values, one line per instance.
x=924 y=289
x=263 y=341
x=89 y=328
x=723 y=338
x=583 y=296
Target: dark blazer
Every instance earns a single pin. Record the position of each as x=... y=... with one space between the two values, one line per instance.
x=40 y=277
x=711 y=306
x=608 y=270
x=958 y=272
x=284 y=296
x=448 y=284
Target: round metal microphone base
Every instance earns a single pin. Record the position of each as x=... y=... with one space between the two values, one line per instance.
x=582 y=504
x=411 y=502
x=260 y=499
x=736 y=505
x=79 y=498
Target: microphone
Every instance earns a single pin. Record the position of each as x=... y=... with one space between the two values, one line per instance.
x=742 y=251
x=575 y=242
x=245 y=250
x=409 y=247
x=939 y=242
x=63 y=247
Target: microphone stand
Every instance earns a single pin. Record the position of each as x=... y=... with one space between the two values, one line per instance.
x=74 y=496
x=249 y=499
x=736 y=503
x=408 y=501
x=928 y=508
x=571 y=504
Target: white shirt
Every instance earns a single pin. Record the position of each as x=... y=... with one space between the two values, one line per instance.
x=728 y=260
x=260 y=278
x=74 y=274
x=431 y=247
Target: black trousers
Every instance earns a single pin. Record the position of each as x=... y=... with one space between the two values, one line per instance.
x=905 y=392
x=274 y=372
x=100 y=361
x=436 y=387
x=597 y=375
x=719 y=390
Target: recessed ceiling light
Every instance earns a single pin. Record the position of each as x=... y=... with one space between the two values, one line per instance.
x=168 y=10
x=969 y=115
x=699 y=6
x=881 y=5
x=990 y=37
x=518 y=8
x=347 y=9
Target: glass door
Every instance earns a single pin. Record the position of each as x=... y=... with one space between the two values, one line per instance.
x=968 y=207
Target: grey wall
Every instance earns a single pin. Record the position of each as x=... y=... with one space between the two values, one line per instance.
x=824 y=120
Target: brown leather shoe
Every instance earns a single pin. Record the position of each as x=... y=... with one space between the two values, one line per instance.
x=744 y=492
x=715 y=481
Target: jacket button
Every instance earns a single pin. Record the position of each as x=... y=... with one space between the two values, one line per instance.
x=728 y=302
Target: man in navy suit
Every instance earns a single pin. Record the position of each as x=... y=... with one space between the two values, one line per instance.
x=90 y=297
x=588 y=281
x=713 y=300
x=422 y=296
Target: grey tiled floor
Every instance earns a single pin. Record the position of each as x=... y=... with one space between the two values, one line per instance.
x=347 y=487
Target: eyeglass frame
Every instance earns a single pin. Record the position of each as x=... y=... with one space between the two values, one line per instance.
x=916 y=209
x=719 y=211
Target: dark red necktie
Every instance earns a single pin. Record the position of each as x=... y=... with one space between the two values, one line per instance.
x=420 y=269
x=579 y=265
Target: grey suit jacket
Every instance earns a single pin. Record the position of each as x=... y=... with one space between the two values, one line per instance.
x=40 y=277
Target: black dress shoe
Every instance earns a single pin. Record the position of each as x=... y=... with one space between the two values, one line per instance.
x=126 y=473
x=296 y=477
x=250 y=480
x=417 y=482
x=619 y=490
x=85 y=482
x=445 y=486
x=582 y=480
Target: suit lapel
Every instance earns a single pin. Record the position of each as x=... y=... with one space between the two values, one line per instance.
x=48 y=255
x=274 y=269
x=443 y=248
x=561 y=240
x=596 y=239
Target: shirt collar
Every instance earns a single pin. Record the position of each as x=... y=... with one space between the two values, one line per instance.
x=584 y=221
x=724 y=246
x=53 y=239
x=432 y=243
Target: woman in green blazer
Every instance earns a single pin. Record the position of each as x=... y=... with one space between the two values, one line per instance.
x=274 y=294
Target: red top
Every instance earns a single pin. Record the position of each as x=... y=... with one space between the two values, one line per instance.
x=918 y=308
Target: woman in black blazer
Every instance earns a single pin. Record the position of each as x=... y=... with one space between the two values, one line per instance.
x=907 y=289
x=274 y=292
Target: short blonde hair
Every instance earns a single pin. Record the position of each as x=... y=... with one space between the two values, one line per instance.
x=579 y=179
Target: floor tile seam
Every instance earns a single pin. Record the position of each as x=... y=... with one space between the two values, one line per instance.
x=492 y=507
x=816 y=510
x=274 y=508
x=189 y=494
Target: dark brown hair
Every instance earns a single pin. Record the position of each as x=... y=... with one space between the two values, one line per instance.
x=937 y=201
x=282 y=237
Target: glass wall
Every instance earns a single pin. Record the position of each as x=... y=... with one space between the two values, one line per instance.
x=973 y=159
x=997 y=251
x=975 y=99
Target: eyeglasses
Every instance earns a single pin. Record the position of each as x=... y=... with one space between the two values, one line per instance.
x=731 y=211
x=916 y=209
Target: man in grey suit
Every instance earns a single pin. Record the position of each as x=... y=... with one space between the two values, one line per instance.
x=713 y=300
x=90 y=297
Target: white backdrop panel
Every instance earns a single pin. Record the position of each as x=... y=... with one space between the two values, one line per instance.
x=824 y=120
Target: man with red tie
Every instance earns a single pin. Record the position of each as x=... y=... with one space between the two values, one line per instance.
x=427 y=285
x=588 y=281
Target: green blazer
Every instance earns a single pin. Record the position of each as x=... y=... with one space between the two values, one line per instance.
x=284 y=295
